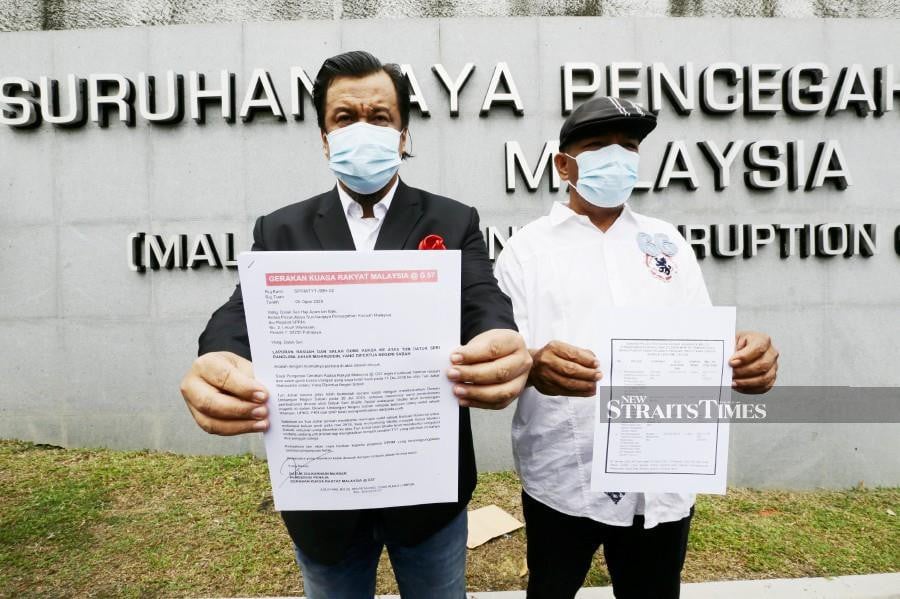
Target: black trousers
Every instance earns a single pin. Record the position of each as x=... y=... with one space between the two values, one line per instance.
x=643 y=564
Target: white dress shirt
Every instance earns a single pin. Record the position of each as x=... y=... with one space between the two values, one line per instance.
x=365 y=230
x=560 y=272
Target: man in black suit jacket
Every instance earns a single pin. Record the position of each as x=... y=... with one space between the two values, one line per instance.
x=363 y=112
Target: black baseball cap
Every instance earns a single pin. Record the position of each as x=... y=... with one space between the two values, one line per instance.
x=601 y=112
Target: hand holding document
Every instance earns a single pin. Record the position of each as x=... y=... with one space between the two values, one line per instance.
x=353 y=347
x=658 y=427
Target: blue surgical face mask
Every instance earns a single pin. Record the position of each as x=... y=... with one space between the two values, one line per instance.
x=363 y=156
x=606 y=176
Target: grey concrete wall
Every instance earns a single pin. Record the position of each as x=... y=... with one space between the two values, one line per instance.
x=27 y=15
x=92 y=353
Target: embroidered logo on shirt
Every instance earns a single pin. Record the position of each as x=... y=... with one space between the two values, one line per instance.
x=662 y=267
x=616 y=496
x=658 y=255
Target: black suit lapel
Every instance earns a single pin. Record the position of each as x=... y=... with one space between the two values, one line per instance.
x=401 y=217
x=331 y=224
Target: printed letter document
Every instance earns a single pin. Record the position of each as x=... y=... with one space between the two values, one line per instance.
x=354 y=348
x=661 y=419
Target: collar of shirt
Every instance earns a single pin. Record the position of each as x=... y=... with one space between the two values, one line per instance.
x=561 y=213
x=353 y=209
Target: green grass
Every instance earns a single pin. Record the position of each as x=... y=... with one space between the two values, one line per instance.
x=136 y=524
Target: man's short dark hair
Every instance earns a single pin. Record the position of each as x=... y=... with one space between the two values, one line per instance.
x=358 y=63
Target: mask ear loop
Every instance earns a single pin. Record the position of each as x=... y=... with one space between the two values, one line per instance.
x=567 y=182
x=406 y=154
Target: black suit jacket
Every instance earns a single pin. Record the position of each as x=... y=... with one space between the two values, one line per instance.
x=319 y=223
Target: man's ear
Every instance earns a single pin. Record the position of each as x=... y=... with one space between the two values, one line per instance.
x=325 y=144
x=561 y=162
x=404 y=137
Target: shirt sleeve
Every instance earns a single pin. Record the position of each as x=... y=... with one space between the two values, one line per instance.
x=510 y=276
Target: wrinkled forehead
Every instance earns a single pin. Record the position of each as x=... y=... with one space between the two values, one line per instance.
x=375 y=91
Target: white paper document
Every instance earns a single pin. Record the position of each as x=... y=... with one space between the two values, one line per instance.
x=354 y=348
x=661 y=419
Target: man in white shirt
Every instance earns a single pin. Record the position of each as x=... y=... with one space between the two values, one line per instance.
x=560 y=272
